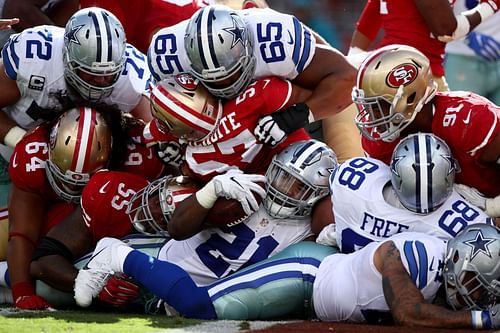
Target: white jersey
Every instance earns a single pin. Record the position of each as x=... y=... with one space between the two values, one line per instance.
x=348 y=287
x=362 y=215
x=34 y=59
x=217 y=252
x=283 y=46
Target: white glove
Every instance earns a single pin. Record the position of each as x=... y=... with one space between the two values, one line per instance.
x=328 y=236
x=268 y=132
x=170 y=152
x=233 y=185
x=490 y=206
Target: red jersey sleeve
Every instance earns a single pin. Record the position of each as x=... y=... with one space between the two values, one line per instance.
x=370 y=21
x=27 y=163
x=274 y=93
x=104 y=203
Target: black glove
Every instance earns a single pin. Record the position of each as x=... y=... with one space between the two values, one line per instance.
x=273 y=129
x=170 y=152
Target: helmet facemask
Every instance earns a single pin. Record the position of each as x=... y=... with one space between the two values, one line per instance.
x=151 y=208
x=392 y=86
x=297 y=178
x=472 y=268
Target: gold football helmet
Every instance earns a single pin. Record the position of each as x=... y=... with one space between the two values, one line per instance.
x=151 y=208
x=184 y=108
x=80 y=144
x=392 y=86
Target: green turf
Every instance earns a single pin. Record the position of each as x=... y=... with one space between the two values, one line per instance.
x=83 y=321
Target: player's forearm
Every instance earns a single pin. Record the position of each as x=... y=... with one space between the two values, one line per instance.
x=55 y=271
x=31 y=14
x=332 y=95
x=187 y=219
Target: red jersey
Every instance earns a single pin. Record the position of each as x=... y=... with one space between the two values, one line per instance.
x=105 y=200
x=233 y=144
x=468 y=123
x=402 y=24
x=141 y=19
x=27 y=164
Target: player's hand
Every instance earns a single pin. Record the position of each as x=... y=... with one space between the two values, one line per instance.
x=6 y=24
x=118 y=291
x=273 y=129
x=241 y=187
x=170 y=152
x=328 y=235
x=268 y=132
x=32 y=302
x=484 y=46
x=472 y=195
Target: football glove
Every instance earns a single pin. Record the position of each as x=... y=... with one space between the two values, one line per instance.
x=490 y=206
x=23 y=294
x=233 y=185
x=170 y=152
x=484 y=46
x=274 y=128
x=118 y=291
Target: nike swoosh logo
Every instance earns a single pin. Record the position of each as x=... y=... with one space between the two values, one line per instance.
x=467 y=120
x=290 y=41
x=234 y=180
x=93 y=256
x=14 y=163
x=102 y=190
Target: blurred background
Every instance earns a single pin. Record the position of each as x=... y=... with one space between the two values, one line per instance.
x=334 y=20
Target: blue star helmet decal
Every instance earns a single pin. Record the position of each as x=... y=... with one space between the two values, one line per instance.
x=70 y=36
x=238 y=33
x=479 y=244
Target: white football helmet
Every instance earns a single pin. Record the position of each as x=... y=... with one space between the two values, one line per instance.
x=80 y=144
x=94 y=52
x=297 y=178
x=472 y=268
x=151 y=208
x=423 y=172
x=220 y=48
x=183 y=108
x=392 y=86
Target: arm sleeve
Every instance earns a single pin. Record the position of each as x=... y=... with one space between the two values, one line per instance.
x=370 y=21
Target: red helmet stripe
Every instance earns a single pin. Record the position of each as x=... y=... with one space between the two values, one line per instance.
x=85 y=136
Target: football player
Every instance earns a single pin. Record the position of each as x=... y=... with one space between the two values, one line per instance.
x=212 y=252
x=396 y=96
x=219 y=136
x=51 y=165
x=391 y=281
x=426 y=25
x=414 y=193
x=228 y=49
x=46 y=70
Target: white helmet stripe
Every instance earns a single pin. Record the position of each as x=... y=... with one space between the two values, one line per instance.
x=423 y=172
x=102 y=30
x=205 y=27
x=182 y=112
x=86 y=129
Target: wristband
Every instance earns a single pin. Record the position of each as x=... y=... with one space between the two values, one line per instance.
x=481 y=320
x=21 y=289
x=13 y=136
x=206 y=195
